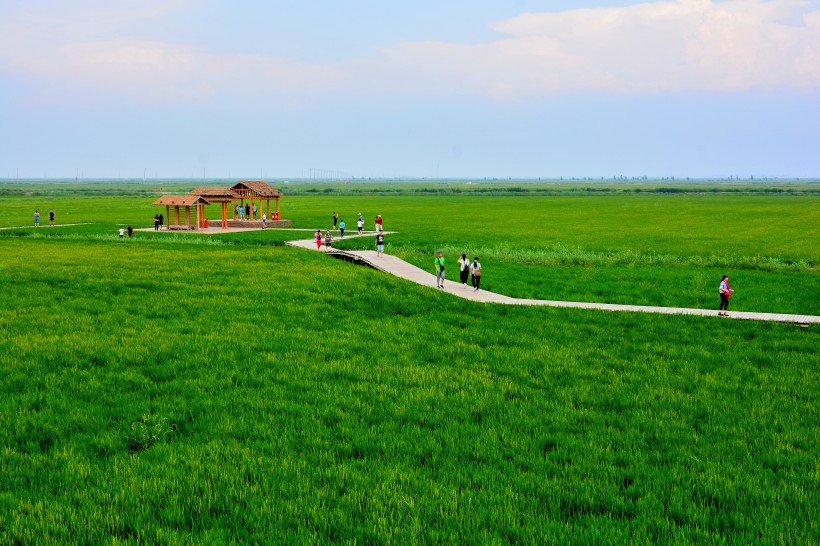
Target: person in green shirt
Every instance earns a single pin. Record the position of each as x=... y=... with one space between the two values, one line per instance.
x=439 y=271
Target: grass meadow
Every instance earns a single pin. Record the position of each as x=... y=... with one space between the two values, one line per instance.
x=179 y=389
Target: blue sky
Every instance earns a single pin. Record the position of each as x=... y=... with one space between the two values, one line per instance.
x=464 y=88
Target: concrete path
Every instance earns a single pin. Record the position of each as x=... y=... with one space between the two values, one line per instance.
x=400 y=268
x=42 y=225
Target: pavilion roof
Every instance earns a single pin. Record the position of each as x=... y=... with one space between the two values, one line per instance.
x=182 y=200
x=262 y=189
x=214 y=193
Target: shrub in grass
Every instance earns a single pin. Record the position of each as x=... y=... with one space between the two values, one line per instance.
x=149 y=430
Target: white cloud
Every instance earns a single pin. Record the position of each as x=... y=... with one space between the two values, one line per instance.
x=667 y=46
x=675 y=46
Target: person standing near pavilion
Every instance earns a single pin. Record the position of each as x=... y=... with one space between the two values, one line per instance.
x=248 y=211
x=156 y=222
x=161 y=220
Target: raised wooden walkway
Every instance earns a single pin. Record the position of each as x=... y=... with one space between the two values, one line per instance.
x=400 y=268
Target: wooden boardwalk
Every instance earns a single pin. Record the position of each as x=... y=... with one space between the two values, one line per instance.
x=400 y=268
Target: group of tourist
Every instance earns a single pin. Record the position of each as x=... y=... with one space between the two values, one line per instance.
x=359 y=224
x=466 y=270
x=159 y=220
x=240 y=212
x=130 y=232
x=51 y=216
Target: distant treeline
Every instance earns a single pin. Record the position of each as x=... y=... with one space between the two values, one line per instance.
x=549 y=188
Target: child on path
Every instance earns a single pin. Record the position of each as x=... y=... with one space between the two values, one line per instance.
x=380 y=244
x=475 y=269
x=439 y=263
x=464 y=265
x=122 y=232
x=37 y=218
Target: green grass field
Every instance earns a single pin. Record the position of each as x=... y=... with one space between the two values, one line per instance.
x=174 y=389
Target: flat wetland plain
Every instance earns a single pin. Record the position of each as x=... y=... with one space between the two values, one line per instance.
x=179 y=388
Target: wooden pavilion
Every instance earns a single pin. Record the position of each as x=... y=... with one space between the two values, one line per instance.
x=186 y=201
x=254 y=190
x=216 y=195
x=243 y=192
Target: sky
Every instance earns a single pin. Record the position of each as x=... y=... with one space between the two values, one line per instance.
x=428 y=89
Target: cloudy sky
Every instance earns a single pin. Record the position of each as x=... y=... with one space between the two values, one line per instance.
x=455 y=88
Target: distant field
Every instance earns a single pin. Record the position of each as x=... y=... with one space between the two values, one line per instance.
x=184 y=389
x=667 y=250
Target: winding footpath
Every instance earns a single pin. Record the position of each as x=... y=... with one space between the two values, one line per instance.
x=400 y=268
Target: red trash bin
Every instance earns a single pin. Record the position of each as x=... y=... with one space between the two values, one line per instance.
x=205 y=223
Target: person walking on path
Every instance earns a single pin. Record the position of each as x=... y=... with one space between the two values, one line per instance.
x=36 y=218
x=51 y=217
x=236 y=212
x=318 y=237
x=335 y=219
x=360 y=224
x=475 y=269
x=439 y=263
x=241 y=212
x=130 y=231
x=725 y=294
x=342 y=227
x=380 y=244
x=156 y=222
x=122 y=232
x=464 y=271
x=378 y=222
x=328 y=240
